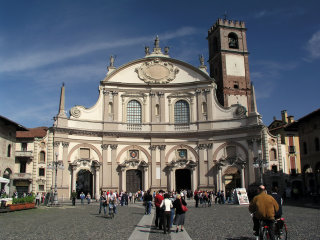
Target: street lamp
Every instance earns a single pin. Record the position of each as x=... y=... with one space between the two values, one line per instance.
x=54 y=165
x=260 y=163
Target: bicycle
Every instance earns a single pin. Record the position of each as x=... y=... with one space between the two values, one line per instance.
x=280 y=230
x=111 y=210
x=264 y=230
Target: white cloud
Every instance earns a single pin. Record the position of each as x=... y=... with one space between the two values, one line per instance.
x=313 y=46
x=33 y=60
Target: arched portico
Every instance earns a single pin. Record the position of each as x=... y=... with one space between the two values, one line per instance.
x=89 y=166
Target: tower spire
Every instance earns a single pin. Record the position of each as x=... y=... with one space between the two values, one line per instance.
x=62 y=102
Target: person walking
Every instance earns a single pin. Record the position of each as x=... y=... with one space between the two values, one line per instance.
x=38 y=197
x=147 y=199
x=166 y=204
x=157 y=202
x=180 y=213
x=88 y=198
x=82 y=197
x=103 y=203
x=73 y=197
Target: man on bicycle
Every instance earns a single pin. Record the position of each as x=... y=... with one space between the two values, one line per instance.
x=112 y=201
x=263 y=207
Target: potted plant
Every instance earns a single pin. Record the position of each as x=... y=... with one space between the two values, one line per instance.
x=22 y=203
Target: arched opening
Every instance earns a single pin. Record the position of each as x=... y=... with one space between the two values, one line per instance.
x=133 y=180
x=232 y=179
x=84 y=182
x=183 y=179
x=233 y=40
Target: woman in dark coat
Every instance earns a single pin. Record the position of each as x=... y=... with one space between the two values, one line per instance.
x=180 y=214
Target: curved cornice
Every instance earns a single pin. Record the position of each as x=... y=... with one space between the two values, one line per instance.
x=166 y=59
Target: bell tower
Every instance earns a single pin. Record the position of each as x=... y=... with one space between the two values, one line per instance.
x=229 y=65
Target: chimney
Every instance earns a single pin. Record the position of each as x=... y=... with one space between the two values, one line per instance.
x=284 y=116
x=290 y=119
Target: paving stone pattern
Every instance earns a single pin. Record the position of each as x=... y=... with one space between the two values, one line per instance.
x=229 y=222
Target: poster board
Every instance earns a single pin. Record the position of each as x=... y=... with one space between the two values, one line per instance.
x=242 y=196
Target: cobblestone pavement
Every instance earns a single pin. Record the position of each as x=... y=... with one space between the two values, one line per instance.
x=229 y=222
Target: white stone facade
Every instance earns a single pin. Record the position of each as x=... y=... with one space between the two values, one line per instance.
x=160 y=117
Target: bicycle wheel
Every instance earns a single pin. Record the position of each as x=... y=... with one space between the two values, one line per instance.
x=284 y=232
x=264 y=234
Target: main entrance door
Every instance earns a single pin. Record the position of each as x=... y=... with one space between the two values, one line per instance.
x=232 y=179
x=84 y=182
x=133 y=180
x=183 y=179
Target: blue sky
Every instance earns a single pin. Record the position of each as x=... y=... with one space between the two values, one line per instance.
x=44 y=43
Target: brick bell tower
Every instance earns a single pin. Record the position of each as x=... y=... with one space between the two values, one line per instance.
x=229 y=65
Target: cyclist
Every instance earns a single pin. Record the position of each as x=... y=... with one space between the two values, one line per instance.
x=112 y=201
x=278 y=214
x=263 y=207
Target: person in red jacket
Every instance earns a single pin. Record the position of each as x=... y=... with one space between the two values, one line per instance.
x=157 y=202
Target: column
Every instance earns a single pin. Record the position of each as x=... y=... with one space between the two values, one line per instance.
x=153 y=149
x=115 y=105
x=152 y=107
x=145 y=174
x=123 y=180
x=163 y=180
x=209 y=104
x=201 y=169
x=106 y=176
x=198 y=99
x=65 y=173
x=97 y=170
x=243 y=185
x=73 y=178
x=220 y=177
x=250 y=170
x=210 y=164
x=162 y=107
x=113 y=172
x=193 y=179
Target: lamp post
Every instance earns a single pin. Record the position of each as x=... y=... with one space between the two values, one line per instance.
x=260 y=163
x=54 y=165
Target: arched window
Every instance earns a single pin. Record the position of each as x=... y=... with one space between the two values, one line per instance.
x=9 y=151
x=157 y=109
x=273 y=155
x=233 y=40
x=42 y=157
x=134 y=113
x=181 y=112
x=7 y=173
x=317 y=144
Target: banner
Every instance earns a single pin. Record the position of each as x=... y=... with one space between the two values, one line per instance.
x=242 y=196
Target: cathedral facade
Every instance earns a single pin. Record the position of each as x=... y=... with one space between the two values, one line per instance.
x=161 y=123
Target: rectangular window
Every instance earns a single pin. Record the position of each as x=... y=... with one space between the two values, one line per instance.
x=41 y=188
x=23 y=166
x=41 y=172
x=24 y=147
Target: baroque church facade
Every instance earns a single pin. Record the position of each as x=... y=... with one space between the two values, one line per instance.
x=161 y=123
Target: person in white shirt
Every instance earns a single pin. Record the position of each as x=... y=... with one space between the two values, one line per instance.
x=166 y=204
x=112 y=201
